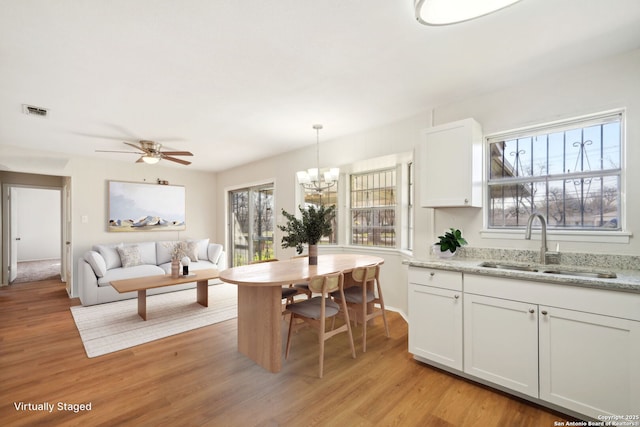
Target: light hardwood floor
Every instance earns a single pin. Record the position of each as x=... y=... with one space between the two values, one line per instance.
x=198 y=378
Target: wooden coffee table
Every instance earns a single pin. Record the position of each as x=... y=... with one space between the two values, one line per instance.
x=141 y=284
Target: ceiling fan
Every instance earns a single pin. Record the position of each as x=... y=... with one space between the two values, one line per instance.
x=151 y=153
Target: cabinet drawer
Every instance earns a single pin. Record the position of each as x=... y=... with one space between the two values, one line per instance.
x=437 y=278
x=625 y=305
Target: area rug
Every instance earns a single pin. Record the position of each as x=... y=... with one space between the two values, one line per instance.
x=110 y=327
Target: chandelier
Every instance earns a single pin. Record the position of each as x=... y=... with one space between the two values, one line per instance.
x=444 y=12
x=316 y=179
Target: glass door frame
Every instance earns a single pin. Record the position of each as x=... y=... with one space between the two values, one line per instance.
x=255 y=248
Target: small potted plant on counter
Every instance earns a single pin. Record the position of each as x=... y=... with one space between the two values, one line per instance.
x=315 y=224
x=448 y=243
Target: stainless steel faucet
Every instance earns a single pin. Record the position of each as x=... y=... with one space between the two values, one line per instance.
x=543 y=243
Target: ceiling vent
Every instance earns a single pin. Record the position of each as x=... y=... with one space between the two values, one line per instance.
x=34 y=111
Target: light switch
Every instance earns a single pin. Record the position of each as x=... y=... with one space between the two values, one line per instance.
x=85 y=219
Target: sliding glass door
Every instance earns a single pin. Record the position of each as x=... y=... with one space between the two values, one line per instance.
x=251 y=225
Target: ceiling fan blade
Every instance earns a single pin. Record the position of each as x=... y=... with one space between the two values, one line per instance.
x=173 y=159
x=140 y=160
x=117 y=151
x=137 y=147
x=178 y=153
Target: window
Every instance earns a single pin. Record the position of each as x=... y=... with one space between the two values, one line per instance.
x=373 y=208
x=569 y=172
x=326 y=198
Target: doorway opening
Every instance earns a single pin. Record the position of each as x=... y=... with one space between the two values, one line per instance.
x=36 y=223
x=36 y=228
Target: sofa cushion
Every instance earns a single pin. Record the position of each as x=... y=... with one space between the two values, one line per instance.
x=96 y=262
x=203 y=245
x=129 y=273
x=129 y=256
x=110 y=255
x=214 y=251
x=148 y=252
x=163 y=251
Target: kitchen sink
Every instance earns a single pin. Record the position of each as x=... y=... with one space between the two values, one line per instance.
x=583 y=273
x=550 y=270
x=503 y=266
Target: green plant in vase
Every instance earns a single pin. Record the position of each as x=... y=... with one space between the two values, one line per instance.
x=314 y=224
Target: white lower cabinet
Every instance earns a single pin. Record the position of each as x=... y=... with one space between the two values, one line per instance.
x=435 y=316
x=570 y=347
x=589 y=363
x=501 y=342
x=436 y=324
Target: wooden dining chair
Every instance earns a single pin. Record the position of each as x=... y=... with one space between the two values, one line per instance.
x=317 y=310
x=302 y=288
x=362 y=298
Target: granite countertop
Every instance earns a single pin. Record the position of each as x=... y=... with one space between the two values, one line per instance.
x=626 y=280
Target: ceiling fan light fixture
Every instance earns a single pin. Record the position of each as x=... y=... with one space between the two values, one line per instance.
x=445 y=12
x=150 y=159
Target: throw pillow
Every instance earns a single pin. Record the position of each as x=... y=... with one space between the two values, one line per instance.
x=191 y=249
x=203 y=245
x=110 y=255
x=215 y=250
x=130 y=256
x=96 y=262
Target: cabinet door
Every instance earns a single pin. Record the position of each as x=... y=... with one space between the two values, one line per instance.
x=589 y=363
x=435 y=324
x=451 y=165
x=501 y=342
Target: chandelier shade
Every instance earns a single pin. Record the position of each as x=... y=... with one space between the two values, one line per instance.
x=316 y=179
x=445 y=12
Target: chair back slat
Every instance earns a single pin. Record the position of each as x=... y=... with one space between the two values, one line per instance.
x=326 y=283
x=365 y=274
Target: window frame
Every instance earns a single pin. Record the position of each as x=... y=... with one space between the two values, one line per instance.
x=562 y=234
x=396 y=207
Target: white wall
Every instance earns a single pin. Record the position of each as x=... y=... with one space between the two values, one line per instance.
x=89 y=196
x=38 y=221
x=604 y=85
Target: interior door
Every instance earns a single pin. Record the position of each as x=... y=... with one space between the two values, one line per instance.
x=12 y=200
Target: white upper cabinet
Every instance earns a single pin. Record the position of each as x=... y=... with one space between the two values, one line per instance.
x=451 y=165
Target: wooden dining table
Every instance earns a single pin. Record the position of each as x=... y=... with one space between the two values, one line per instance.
x=260 y=299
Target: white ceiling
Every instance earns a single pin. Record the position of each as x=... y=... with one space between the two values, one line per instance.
x=234 y=81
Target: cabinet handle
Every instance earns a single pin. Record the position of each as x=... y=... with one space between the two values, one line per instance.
x=531 y=310
x=456 y=296
x=544 y=312
x=433 y=273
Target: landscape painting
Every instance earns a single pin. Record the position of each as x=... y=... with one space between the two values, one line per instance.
x=146 y=207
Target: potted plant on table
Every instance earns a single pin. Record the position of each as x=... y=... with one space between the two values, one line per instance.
x=178 y=251
x=314 y=224
x=448 y=243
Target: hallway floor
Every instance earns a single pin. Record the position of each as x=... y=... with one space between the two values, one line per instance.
x=34 y=271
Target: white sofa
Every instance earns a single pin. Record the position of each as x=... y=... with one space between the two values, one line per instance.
x=104 y=263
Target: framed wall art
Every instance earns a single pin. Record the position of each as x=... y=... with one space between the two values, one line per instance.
x=137 y=206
